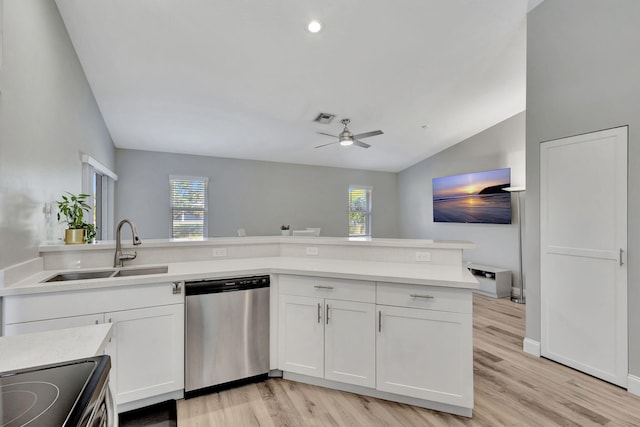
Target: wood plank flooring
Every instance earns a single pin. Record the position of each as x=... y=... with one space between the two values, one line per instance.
x=511 y=389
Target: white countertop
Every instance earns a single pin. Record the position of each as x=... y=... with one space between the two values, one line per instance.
x=421 y=274
x=44 y=348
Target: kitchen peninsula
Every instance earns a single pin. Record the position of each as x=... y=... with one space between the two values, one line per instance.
x=404 y=304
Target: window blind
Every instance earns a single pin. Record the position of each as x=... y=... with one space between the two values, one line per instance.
x=189 y=206
x=359 y=211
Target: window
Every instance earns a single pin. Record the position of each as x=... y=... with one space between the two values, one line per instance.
x=99 y=182
x=189 y=205
x=359 y=211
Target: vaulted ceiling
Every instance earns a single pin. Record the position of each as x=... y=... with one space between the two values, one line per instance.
x=245 y=79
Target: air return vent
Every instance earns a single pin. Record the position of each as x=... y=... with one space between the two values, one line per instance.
x=324 y=118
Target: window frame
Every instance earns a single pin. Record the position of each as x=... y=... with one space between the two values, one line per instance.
x=367 y=211
x=102 y=200
x=205 y=210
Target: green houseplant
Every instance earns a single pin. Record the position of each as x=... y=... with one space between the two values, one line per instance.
x=71 y=209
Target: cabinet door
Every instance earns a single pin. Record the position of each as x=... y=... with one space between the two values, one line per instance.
x=425 y=354
x=53 y=324
x=350 y=342
x=147 y=351
x=301 y=335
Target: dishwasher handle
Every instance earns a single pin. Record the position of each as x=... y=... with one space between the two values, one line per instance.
x=213 y=286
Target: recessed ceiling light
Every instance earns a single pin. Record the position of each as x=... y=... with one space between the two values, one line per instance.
x=314 y=26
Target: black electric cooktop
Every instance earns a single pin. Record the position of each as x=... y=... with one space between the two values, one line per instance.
x=49 y=395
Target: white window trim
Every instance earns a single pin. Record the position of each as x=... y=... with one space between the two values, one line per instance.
x=89 y=167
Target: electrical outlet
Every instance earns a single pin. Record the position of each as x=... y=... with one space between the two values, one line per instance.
x=312 y=250
x=423 y=256
x=219 y=252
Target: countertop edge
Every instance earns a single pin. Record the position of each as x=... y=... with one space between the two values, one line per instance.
x=266 y=240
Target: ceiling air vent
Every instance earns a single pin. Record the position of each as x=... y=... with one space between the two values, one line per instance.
x=324 y=118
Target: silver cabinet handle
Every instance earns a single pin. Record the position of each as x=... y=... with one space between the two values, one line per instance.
x=421 y=296
x=379 y=320
x=327 y=315
x=323 y=287
x=97 y=322
x=319 y=312
x=621 y=252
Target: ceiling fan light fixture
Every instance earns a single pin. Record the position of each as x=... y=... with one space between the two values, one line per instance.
x=314 y=26
x=346 y=141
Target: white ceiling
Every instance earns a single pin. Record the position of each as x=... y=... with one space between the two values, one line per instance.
x=244 y=79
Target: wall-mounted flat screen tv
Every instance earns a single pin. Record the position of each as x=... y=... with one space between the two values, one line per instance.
x=473 y=197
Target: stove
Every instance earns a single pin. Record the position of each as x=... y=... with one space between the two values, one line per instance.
x=74 y=393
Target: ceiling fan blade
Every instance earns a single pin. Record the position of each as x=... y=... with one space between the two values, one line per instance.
x=360 y=143
x=324 y=145
x=368 y=134
x=328 y=134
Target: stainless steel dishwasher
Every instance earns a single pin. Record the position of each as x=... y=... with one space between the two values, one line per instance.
x=227 y=332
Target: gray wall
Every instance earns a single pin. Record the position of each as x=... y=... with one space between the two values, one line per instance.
x=583 y=73
x=500 y=146
x=254 y=195
x=48 y=117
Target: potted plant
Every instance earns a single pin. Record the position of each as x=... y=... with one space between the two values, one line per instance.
x=71 y=210
x=285 y=230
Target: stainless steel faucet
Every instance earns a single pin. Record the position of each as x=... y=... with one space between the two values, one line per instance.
x=120 y=257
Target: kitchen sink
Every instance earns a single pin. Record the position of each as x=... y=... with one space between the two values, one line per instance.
x=104 y=274
x=140 y=271
x=81 y=275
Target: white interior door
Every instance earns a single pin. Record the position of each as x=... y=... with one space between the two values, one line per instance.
x=583 y=240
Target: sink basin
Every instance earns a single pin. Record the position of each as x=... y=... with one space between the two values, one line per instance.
x=140 y=271
x=103 y=274
x=81 y=275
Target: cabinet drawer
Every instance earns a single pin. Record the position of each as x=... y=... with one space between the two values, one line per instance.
x=29 y=308
x=322 y=287
x=428 y=297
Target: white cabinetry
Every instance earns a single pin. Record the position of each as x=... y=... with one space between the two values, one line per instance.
x=424 y=345
x=301 y=334
x=410 y=343
x=349 y=342
x=148 y=333
x=327 y=329
x=492 y=281
x=147 y=350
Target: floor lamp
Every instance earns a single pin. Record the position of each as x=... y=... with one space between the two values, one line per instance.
x=520 y=299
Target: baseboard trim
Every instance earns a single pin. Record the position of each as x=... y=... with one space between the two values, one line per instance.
x=633 y=384
x=531 y=347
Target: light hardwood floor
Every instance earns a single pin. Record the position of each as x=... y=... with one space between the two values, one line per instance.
x=511 y=389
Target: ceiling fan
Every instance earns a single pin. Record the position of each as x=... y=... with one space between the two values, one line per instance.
x=347 y=138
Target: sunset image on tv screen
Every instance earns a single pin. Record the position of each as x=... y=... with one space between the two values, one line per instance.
x=473 y=197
